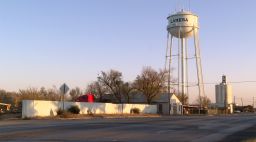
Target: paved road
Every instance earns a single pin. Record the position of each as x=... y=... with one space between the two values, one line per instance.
x=175 y=128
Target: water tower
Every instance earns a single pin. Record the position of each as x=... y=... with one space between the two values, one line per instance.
x=183 y=26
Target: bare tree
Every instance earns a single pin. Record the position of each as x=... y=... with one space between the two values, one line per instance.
x=113 y=82
x=6 y=97
x=30 y=94
x=98 y=89
x=204 y=101
x=53 y=94
x=43 y=92
x=127 y=91
x=75 y=93
x=15 y=98
x=151 y=83
x=183 y=98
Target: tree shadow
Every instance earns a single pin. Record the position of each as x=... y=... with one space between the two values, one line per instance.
x=91 y=108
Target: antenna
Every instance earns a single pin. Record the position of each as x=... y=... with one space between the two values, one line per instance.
x=189 y=5
x=179 y=5
x=183 y=5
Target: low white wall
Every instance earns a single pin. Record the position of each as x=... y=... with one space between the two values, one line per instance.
x=32 y=108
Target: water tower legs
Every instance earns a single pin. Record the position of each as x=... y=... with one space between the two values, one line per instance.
x=168 y=60
x=199 y=66
x=183 y=69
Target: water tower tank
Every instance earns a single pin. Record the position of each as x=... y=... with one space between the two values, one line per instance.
x=182 y=24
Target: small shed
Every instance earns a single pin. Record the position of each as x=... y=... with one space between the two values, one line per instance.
x=176 y=107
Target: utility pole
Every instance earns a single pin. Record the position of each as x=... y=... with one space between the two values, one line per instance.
x=253 y=102
x=225 y=103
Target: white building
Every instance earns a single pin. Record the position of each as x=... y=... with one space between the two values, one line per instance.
x=224 y=97
x=176 y=107
x=168 y=104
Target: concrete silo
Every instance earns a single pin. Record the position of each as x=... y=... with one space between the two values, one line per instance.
x=223 y=95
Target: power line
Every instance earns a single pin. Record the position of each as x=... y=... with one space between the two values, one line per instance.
x=193 y=84
x=234 y=82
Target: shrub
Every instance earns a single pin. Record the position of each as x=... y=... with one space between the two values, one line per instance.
x=89 y=111
x=60 y=111
x=135 y=110
x=74 y=109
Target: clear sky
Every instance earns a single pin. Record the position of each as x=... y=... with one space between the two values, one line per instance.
x=48 y=42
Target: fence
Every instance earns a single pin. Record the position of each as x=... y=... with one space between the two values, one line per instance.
x=33 y=108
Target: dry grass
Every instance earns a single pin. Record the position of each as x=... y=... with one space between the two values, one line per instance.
x=68 y=115
x=97 y=116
